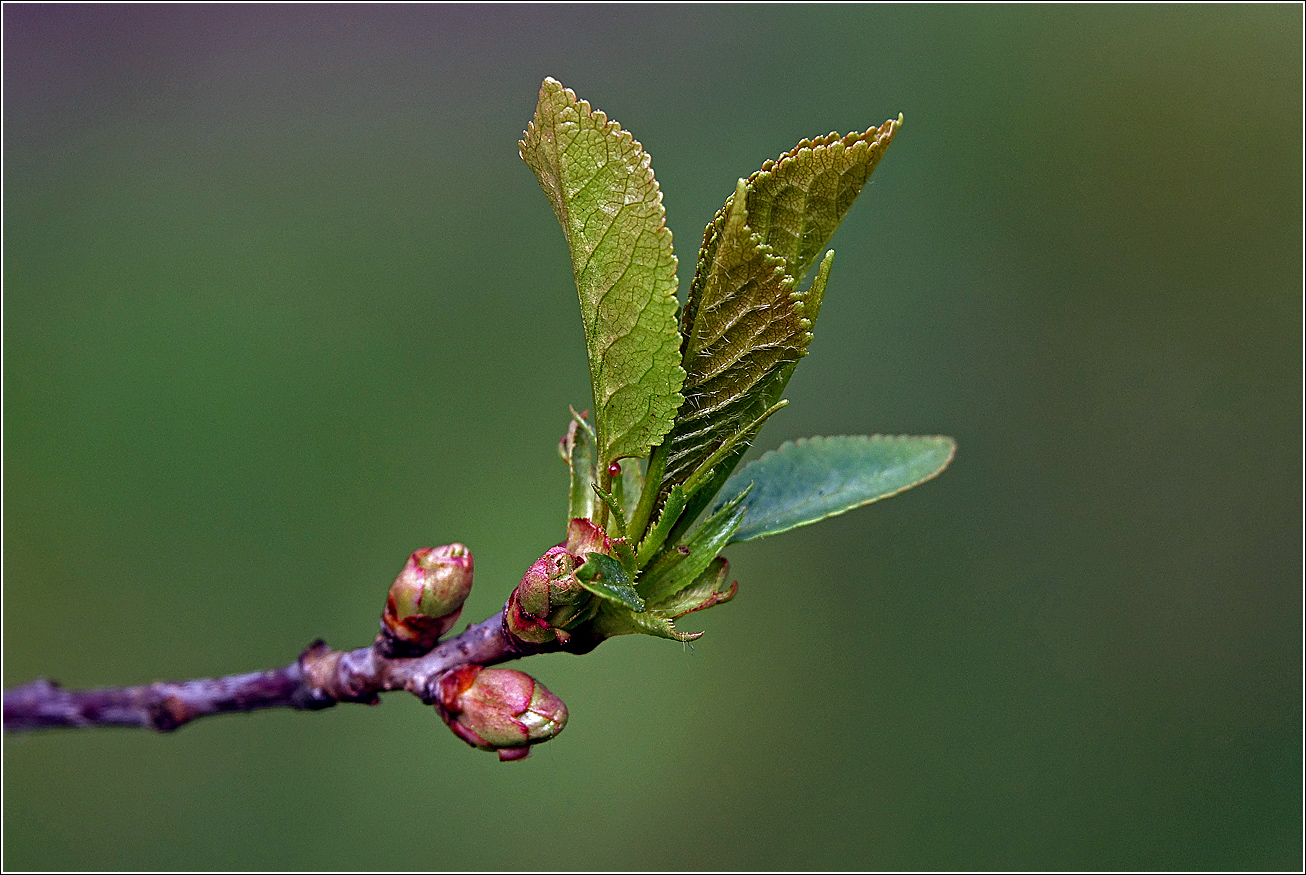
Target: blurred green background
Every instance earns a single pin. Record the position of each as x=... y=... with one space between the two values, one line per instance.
x=282 y=304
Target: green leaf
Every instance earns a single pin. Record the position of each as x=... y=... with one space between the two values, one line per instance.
x=681 y=566
x=652 y=543
x=814 y=478
x=604 y=576
x=707 y=590
x=625 y=554
x=611 y=621
x=746 y=323
x=627 y=487
x=600 y=183
x=765 y=401
x=740 y=440
x=617 y=516
x=742 y=324
x=577 y=450
x=796 y=202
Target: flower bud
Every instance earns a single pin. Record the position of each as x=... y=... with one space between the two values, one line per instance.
x=426 y=599
x=499 y=709
x=550 y=601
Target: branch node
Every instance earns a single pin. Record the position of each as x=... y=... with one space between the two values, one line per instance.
x=324 y=679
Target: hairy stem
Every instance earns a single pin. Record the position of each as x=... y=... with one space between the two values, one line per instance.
x=320 y=678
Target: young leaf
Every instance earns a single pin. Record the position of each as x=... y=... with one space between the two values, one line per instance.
x=629 y=485
x=707 y=590
x=600 y=183
x=604 y=576
x=577 y=450
x=657 y=536
x=617 y=516
x=814 y=478
x=796 y=202
x=765 y=400
x=625 y=554
x=612 y=621
x=746 y=323
x=681 y=567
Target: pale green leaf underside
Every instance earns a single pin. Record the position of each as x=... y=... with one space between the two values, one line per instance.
x=600 y=183
x=808 y=480
x=659 y=620
x=689 y=597
x=578 y=452
x=612 y=621
x=631 y=482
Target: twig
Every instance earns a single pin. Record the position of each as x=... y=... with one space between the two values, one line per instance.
x=320 y=678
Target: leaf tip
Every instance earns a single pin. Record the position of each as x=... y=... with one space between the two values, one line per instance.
x=550 y=86
x=952 y=450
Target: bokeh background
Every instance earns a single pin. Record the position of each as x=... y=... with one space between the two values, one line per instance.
x=282 y=304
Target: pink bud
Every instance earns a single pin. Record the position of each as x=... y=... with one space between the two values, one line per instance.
x=499 y=709
x=427 y=597
x=550 y=602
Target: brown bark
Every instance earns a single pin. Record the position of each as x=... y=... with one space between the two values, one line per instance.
x=320 y=678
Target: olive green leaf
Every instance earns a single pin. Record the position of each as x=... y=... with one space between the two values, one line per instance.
x=611 y=621
x=746 y=323
x=657 y=535
x=600 y=183
x=707 y=590
x=813 y=478
x=628 y=486
x=796 y=202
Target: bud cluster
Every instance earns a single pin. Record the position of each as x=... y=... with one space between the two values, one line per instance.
x=498 y=709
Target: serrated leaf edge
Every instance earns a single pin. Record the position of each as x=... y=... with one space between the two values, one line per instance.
x=661 y=232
